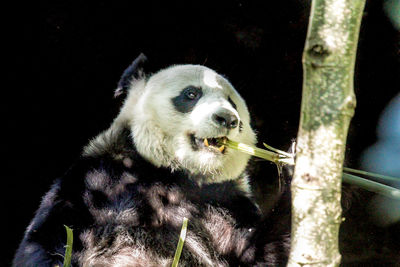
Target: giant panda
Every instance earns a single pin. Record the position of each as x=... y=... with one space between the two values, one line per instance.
x=161 y=160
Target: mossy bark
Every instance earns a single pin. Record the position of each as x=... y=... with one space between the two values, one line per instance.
x=328 y=104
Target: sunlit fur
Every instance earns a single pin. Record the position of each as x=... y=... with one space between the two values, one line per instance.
x=160 y=132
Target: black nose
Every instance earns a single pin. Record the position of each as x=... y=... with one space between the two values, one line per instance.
x=225 y=118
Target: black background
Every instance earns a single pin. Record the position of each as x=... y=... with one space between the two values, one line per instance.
x=66 y=58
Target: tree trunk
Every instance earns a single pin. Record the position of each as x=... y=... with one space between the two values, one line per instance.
x=328 y=104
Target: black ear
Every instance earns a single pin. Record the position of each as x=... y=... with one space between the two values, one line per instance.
x=133 y=72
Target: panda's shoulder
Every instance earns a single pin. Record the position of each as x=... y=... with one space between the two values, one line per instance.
x=115 y=142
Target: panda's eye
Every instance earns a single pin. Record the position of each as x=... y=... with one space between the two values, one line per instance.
x=187 y=99
x=192 y=93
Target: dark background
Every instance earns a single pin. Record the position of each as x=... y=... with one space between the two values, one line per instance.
x=66 y=58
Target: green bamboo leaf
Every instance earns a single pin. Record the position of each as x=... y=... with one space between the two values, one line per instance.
x=283 y=153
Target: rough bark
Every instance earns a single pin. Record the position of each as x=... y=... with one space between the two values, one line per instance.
x=328 y=104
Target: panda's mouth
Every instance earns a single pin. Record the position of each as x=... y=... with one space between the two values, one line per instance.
x=211 y=143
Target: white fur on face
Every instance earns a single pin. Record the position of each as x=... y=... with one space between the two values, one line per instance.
x=162 y=133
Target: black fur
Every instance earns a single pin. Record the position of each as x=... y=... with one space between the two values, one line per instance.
x=185 y=103
x=134 y=71
x=136 y=210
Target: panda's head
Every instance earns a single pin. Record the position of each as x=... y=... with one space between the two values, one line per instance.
x=178 y=115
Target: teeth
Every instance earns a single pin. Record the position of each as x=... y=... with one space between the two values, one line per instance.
x=221 y=148
x=206 y=142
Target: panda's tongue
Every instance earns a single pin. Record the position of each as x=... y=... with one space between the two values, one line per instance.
x=213 y=142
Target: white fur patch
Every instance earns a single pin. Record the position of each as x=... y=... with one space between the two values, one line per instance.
x=210 y=79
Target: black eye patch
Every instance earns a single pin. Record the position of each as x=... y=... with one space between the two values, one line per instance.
x=187 y=99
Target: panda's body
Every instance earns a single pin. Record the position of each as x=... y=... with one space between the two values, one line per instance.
x=160 y=161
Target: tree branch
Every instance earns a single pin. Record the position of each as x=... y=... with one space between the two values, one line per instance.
x=328 y=104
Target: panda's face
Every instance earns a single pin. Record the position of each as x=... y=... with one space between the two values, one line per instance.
x=181 y=117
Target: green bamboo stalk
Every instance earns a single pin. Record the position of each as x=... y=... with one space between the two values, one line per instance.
x=287 y=159
x=372 y=186
x=380 y=177
x=68 y=247
x=181 y=241
x=259 y=152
